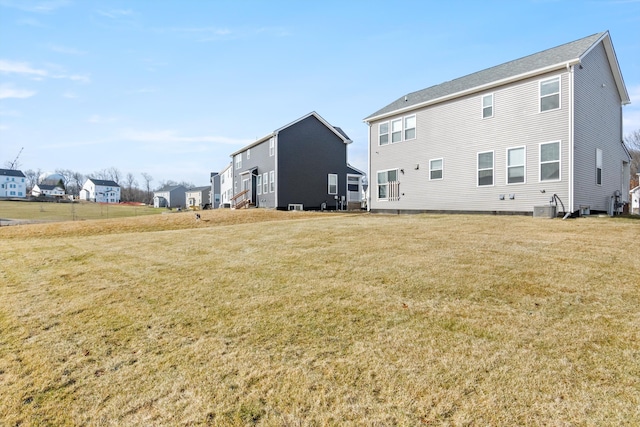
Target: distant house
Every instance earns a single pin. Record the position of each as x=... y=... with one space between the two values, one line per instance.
x=226 y=186
x=13 y=183
x=526 y=133
x=170 y=196
x=635 y=200
x=100 y=191
x=197 y=198
x=302 y=165
x=49 y=190
x=215 y=190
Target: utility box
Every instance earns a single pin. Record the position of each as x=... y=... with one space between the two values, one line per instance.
x=548 y=211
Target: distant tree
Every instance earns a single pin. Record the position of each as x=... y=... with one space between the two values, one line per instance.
x=114 y=174
x=32 y=178
x=78 y=181
x=632 y=142
x=130 y=186
x=147 y=186
x=101 y=174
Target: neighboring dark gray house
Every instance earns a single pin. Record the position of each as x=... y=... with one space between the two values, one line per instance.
x=215 y=190
x=516 y=136
x=302 y=165
x=170 y=196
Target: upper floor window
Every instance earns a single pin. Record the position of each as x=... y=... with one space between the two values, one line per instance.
x=435 y=169
x=550 y=161
x=383 y=133
x=333 y=183
x=550 y=94
x=598 y=166
x=272 y=147
x=485 y=168
x=239 y=161
x=409 y=127
x=396 y=130
x=248 y=153
x=487 y=106
x=515 y=165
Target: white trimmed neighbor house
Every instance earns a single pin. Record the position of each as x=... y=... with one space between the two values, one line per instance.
x=49 y=190
x=541 y=130
x=13 y=183
x=100 y=191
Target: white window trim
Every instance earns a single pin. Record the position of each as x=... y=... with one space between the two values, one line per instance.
x=258 y=184
x=441 y=169
x=599 y=166
x=404 y=131
x=559 y=161
x=513 y=166
x=401 y=131
x=265 y=183
x=329 y=176
x=482 y=106
x=559 y=94
x=272 y=181
x=248 y=153
x=239 y=161
x=378 y=184
x=388 y=133
x=493 y=168
x=272 y=147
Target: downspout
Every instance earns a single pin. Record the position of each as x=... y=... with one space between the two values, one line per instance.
x=368 y=192
x=570 y=160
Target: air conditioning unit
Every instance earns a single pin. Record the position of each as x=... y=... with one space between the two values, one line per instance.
x=295 y=207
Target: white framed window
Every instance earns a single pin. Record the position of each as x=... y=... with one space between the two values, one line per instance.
x=259 y=184
x=516 y=165
x=487 y=106
x=248 y=153
x=333 y=184
x=383 y=133
x=550 y=94
x=550 y=161
x=388 y=184
x=410 y=127
x=485 y=169
x=272 y=181
x=436 y=169
x=598 y=166
x=265 y=183
x=239 y=161
x=396 y=130
x=272 y=147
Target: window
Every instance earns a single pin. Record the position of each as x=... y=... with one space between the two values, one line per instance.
x=388 y=185
x=550 y=161
x=248 y=153
x=485 y=168
x=383 y=133
x=259 y=184
x=598 y=166
x=222 y=179
x=410 y=127
x=515 y=165
x=550 y=94
x=239 y=161
x=435 y=169
x=487 y=106
x=272 y=147
x=333 y=183
x=396 y=130
x=353 y=183
x=265 y=183
x=272 y=181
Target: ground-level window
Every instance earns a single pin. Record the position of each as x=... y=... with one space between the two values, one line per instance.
x=550 y=94
x=436 y=169
x=383 y=133
x=516 y=165
x=265 y=183
x=333 y=183
x=487 y=106
x=272 y=181
x=485 y=168
x=259 y=184
x=550 y=161
x=388 y=185
x=598 y=166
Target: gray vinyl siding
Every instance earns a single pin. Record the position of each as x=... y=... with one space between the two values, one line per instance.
x=456 y=132
x=264 y=163
x=598 y=116
x=308 y=152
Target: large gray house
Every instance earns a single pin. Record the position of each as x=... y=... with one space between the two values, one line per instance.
x=170 y=196
x=543 y=130
x=302 y=165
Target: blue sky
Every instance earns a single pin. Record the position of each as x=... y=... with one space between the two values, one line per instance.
x=170 y=88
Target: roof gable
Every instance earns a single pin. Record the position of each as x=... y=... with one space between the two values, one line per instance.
x=537 y=63
x=11 y=172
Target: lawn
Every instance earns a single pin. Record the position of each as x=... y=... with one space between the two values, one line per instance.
x=287 y=318
x=79 y=211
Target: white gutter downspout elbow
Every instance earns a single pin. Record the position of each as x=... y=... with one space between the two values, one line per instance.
x=570 y=160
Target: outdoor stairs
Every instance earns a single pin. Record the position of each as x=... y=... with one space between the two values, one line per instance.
x=240 y=201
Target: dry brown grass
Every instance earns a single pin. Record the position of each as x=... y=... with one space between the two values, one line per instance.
x=276 y=318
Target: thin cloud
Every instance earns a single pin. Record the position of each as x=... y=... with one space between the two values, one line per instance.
x=8 y=91
x=66 y=50
x=115 y=13
x=12 y=67
x=172 y=137
x=44 y=6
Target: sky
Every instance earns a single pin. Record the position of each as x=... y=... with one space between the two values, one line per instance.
x=171 y=88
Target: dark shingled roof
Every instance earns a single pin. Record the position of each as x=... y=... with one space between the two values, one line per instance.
x=104 y=182
x=537 y=61
x=11 y=172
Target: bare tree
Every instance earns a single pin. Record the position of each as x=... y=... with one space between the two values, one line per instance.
x=632 y=142
x=114 y=174
x=101 y=174
x=130 y=184
x=147 y=184
x=78 y=181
